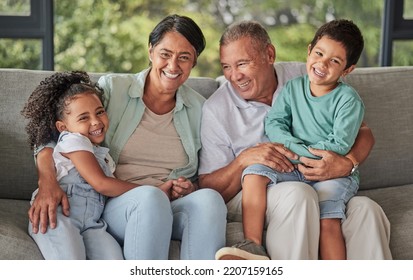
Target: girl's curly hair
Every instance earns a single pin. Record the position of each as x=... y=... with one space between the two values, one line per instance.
x=48 y=102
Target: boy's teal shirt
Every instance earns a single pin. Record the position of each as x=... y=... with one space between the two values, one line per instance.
x=300 y=120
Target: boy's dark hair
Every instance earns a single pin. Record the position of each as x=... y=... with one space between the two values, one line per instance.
x=48 y=101
x=345 y=32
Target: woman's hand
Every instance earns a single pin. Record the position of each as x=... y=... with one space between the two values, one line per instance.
x=181 y=187
x=44 y=207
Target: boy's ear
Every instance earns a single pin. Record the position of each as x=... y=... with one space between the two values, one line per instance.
x=309 y=49
x=60 y=126
x=348 y=70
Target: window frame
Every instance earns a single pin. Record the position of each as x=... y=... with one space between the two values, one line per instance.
x=395 y=27
x=38 y=25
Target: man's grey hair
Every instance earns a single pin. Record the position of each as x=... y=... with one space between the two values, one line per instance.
x=249 y=29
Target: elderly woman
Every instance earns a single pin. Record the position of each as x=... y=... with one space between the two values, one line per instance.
x=154 y=140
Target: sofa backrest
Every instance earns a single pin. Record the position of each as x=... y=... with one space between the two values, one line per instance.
x=18 y=173
x=386 y=92
x=388 y=97
x=18 y=176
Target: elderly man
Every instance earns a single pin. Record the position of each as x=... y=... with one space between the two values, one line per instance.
x=232 y=136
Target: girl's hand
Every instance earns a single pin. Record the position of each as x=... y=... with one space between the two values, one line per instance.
x=167 y=188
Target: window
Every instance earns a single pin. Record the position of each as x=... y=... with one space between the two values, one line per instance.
x=111 y=36
x=24 y=19
x=397 y=26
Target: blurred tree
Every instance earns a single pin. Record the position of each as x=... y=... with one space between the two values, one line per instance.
x=19 y=53
x=24 y=54
x=15 y=7
x=112 y=35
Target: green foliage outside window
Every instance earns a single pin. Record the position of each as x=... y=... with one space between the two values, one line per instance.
x=112 y=36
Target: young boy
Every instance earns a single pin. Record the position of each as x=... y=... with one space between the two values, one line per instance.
x=314 y=111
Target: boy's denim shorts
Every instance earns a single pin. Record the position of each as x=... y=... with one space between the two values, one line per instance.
x=333 y=195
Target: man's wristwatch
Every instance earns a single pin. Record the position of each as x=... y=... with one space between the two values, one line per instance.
x=355 y=165
x=355 y=168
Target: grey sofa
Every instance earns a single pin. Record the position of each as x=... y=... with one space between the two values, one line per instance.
x=387 y=175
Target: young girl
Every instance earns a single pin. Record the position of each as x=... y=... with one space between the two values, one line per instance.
x=66 y=109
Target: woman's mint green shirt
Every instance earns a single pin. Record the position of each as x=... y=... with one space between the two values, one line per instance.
x=125 y=108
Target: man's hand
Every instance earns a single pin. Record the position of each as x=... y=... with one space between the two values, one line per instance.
x=43 y=210
x=330 y=166
x=273 y=155
x=226 y=180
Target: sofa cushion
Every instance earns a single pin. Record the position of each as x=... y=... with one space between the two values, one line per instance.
x=388 y=97
x=397 y=204
x=19 y=179
x=205 y=86
x=15 y=243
